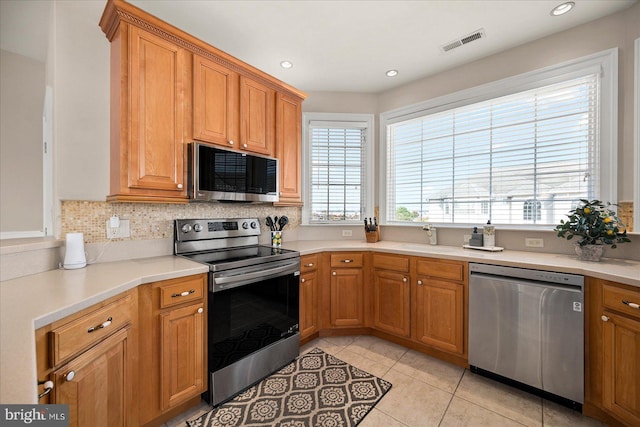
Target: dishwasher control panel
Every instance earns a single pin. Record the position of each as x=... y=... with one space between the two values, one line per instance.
x=528 y=274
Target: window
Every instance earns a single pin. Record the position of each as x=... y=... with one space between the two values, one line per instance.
x=520 y=158
x=338 y=171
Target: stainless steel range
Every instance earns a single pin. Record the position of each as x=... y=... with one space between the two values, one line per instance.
x=253 y=301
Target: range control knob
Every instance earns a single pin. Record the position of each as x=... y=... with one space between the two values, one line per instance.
x=245 y=225
x=197 y=228
x=254 y=225
x=186 y=228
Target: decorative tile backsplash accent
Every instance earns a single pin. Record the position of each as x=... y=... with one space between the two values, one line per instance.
x=625 y=213
x=155 y=221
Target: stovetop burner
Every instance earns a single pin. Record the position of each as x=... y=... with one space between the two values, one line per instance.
x=224 y=244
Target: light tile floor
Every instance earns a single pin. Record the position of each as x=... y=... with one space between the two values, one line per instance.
x=429 y=392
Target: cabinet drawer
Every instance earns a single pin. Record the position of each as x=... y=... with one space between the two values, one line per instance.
x=613 y=297
x=451 y=270
x=391 y=262
x=347 y=259
x=308 y=263
x=178 y=291
x=87 y=330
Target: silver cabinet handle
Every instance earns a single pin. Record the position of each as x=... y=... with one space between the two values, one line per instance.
x=631 y=304
x=420 y=282
x=604 y=318
x=230 y=142
x=70 y=375
x=346 y=260
x=100 y=326
x=245 y=145
x=309 y=265
x=404 y=279
x=301 y=280
x=180 y=186
x=48 y=386
x=334 y=273
x=200 y=310
x=183 y=294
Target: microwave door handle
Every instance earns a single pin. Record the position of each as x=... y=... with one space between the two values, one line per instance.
x=226 y=282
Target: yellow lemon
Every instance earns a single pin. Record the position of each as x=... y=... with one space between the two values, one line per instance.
x=609 y=232
x=587 y=210
x=608 y=219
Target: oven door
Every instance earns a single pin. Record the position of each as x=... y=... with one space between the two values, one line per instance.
x=250 y=309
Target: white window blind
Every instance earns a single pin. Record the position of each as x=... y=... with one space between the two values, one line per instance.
x=525 y=158
x=337 y=171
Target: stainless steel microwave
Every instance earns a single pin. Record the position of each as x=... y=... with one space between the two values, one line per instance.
x=219 y=175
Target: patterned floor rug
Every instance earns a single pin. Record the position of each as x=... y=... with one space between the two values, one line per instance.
x=315 y=390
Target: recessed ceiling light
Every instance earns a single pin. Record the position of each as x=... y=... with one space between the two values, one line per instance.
x=286 y=64
x=563 y=8
x=392 y=73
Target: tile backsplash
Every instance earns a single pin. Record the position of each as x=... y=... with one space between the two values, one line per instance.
x=155 y=220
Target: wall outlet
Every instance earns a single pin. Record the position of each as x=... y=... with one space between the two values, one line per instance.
x=534 y=243
x=121 y=231
x=466 y=238
x=347 y=233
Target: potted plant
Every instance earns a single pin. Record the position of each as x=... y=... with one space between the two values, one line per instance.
x=595 y=225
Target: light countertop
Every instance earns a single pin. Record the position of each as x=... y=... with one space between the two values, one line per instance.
x=30 y=302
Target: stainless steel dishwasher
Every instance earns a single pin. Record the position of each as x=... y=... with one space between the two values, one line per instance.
x=527 y=326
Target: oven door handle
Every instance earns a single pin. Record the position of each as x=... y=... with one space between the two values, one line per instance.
x=221 y=282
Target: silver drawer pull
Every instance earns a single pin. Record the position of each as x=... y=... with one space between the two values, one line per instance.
x=631 y=304
x=309 y=265
x=346 y=260
x=604 y=318
x=183 y=294
x=48 y=386
x=100 y=326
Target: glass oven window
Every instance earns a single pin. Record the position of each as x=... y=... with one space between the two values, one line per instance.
x=245 y=319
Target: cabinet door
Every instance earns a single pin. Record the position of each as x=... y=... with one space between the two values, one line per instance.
x=288 y=148
x=347 y=297
x=308 y=304
x=621 y=373
x=216 y=93
x=257 y=117
x=156 y=69
x=95 y=384
x=391 y=302
x=439 y=314
x=182 y=354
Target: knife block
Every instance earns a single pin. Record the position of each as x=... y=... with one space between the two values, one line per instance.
x=372 y=236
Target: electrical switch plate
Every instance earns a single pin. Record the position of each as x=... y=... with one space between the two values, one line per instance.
x=121 y=231
x=347 y=233
x=534 y=243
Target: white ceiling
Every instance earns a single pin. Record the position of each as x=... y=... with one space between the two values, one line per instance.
x=348 y=45
x=339 y=45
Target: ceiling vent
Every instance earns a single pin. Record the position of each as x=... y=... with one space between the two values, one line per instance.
x=476 y=35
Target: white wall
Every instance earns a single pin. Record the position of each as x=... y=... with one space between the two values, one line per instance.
x=81 y=107
x=22 y=87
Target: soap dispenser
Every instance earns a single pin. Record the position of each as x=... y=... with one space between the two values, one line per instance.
x=476 y=238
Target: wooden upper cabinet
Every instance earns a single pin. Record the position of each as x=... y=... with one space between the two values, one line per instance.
x=162 y=99
x=257 y=117
x=289 y=148
x=216 y=94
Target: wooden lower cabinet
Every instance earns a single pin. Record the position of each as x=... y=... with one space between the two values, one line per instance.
x=347 y=297
x=308 y=304
x=182 y=353
x=613 y=349
x=94 y=384
x=391 y=294
x=172 y=361
x=439 y=314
